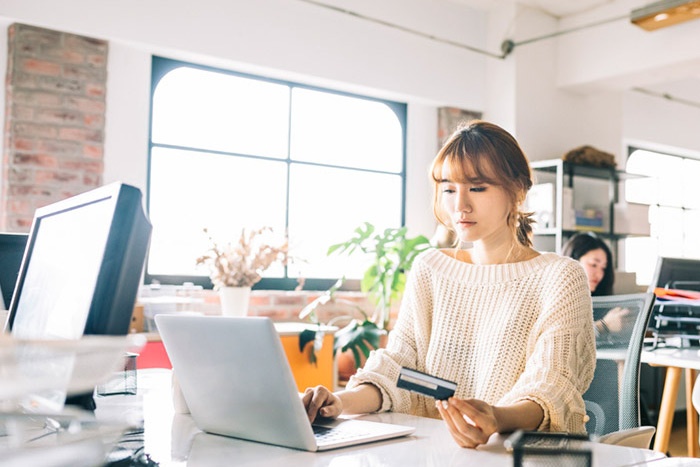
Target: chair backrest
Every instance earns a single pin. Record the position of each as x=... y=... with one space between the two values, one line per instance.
x=612 y=400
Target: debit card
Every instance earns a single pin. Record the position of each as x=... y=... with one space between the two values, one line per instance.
x=428 y=385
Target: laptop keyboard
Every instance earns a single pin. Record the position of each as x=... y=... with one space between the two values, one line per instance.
x=325 y=434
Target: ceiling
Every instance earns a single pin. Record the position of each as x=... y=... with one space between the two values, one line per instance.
x=686 y=90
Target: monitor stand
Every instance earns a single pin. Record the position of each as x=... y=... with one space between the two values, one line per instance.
x=85 y=401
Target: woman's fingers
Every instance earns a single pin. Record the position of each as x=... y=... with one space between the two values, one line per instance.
x=463 y=428
x=320 y=401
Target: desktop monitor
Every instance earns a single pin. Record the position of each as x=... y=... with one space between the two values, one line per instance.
x=82 y=266
x=12 y=247
x=676 y=273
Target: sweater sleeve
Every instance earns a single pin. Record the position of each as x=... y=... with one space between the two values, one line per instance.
x=383 y=365
x=561 y=353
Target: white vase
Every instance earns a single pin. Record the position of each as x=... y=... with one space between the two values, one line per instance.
x=234 y=300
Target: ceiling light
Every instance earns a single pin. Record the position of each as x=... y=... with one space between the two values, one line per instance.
x=665 y=13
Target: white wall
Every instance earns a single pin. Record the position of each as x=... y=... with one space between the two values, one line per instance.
x=282 y=39
x=553 y=94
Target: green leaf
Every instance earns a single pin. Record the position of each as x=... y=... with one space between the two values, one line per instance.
x=306 y=336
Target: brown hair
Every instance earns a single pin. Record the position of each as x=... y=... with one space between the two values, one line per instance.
x=489 y=153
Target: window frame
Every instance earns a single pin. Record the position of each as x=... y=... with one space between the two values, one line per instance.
x=160 y=67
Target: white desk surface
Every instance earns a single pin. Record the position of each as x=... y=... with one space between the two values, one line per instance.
x=669 y=356
x=173 y=440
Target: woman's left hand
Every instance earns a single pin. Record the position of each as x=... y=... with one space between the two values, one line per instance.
x=470 y=421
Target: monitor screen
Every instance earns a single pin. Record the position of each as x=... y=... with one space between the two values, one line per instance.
x=12 y=247
x=82 y=267
x=676 y=273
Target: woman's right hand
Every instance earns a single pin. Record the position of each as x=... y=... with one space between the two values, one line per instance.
x=320 y=401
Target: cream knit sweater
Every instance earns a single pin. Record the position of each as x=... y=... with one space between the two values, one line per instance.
x=504 y=333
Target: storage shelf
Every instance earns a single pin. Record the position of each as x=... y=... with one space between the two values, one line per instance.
x=579 y=170
x=565 y=174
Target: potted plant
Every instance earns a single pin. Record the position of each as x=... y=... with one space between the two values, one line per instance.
x=235 y=267
x=392 y=253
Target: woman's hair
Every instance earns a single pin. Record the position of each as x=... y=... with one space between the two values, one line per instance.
x=487 y=152
x=582 y=243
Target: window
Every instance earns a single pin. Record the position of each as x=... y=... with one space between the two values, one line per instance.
x=670 y=188
x=230 y=151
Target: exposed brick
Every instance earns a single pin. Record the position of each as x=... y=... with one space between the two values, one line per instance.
x=35 y=159
x=95 y=90
x=58 y=116
x=64 y=55
x=84 y=104
x=21 y=112
x=30 y=130
x=61 y=85
x=80 y=134
x=36 y=35
x=97 y=61
x=22 y=144
x=289 y=300
x=42 y=67
x=59 y=148
x=24 y=81
x=94 y=121
x=18 y=206
x=52 y=177
x=85 y=44
x=93 y=151
x=54 y=130
x=92 y=180
x=275 y=314
x=30 y=190
x=89 y=166
x=82 y=73
x=35 y=98
x=259 y=300
x=17 y=175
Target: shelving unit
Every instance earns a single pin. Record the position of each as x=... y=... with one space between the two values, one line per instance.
x=564 y=174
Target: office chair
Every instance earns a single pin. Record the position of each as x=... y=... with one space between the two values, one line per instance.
x=612 y=400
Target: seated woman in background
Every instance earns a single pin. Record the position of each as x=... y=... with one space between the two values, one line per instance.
x=596 y=259
x=512 y=327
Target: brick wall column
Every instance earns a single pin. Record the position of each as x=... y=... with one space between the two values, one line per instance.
x=54 y=120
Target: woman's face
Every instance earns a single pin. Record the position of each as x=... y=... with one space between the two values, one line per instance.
x=594 y=263
x=478 y=210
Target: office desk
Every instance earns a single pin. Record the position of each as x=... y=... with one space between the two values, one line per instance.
x=173 y=440
x=676 y=361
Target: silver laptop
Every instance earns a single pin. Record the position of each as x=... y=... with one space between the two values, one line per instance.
x=237 y=382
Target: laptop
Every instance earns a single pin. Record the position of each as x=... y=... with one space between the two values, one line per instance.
x=237 y=382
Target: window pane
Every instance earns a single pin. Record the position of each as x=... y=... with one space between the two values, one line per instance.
x=340 y=130
x=325 y=207
x=640 y=257
x=216 y=111
x=670 y=229
x=691 y=228
x=191 y=190
x=690 y=175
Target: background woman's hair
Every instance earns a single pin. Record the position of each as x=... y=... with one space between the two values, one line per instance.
x=582 y=243
x=490 y=153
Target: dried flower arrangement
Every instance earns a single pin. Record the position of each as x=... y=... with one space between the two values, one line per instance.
x=242 y=264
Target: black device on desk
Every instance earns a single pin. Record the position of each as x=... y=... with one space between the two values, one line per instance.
x=12 y=246
x=676 y=318
x=82 y=267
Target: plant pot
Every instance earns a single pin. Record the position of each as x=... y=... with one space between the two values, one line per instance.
x=234 y=300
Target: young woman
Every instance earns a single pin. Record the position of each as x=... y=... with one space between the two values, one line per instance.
x=511 y=326
x=595 y=257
